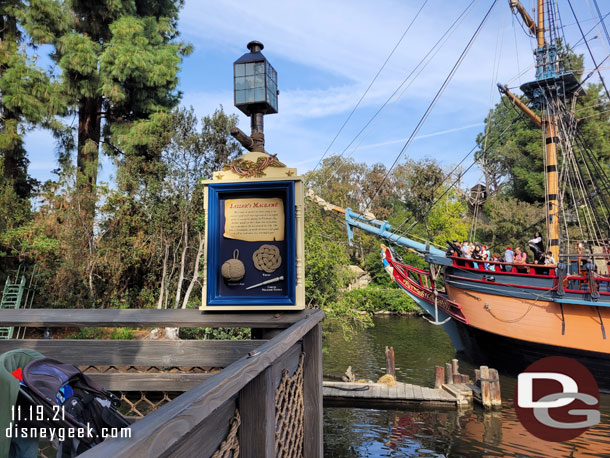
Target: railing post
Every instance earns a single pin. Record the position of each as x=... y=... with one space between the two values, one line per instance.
x=257 y=410
x=312 y=393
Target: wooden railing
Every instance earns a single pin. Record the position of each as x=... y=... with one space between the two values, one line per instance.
x=254 y=373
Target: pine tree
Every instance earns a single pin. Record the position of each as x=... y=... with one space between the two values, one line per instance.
x=119 y=61
x=29 y=97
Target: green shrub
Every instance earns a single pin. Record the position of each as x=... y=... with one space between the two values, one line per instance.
x=214 y=333
x=374 y=299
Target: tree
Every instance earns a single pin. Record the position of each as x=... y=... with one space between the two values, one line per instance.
x=29 y=97
x=511 y=150
x=154 y=220
x=119 y=62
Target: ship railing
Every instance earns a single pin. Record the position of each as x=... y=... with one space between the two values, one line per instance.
x=540 y=270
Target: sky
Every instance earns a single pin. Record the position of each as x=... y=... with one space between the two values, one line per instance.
x=327 y=53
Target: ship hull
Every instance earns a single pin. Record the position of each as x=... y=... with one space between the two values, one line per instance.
x=514 y=320
x=512 y=356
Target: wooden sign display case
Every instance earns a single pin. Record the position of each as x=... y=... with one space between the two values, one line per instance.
x=254 y=248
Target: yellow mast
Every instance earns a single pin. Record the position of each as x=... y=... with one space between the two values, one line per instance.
x=550 y=128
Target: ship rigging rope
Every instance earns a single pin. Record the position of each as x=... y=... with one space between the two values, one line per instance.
x=459 y=177
x=423 y=63
x=601 y=78
x=371 y=83
x=599 y=13
x=434 y=101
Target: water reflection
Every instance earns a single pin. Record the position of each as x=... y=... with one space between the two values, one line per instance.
x=418 y=347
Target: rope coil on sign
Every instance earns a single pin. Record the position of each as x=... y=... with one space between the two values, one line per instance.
x=267 y=258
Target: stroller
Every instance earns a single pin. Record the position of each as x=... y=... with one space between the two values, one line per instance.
x=54 y=395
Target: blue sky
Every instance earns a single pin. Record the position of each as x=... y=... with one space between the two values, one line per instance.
x=327 y=52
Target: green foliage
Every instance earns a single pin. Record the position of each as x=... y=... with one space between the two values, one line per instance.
x=375 y=299
x=446 y=221
x=511 y=222
x=215 y=333
x=30 y=96
x=103 y=333
x=119 y=62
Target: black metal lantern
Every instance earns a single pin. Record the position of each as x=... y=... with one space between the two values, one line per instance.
x=255 y=82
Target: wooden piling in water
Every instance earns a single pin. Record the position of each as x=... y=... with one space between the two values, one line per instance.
x=496 y=395
x=448 y=373
x=485 y=388
x=456 y=371
x=439 y=376
x=390 y=367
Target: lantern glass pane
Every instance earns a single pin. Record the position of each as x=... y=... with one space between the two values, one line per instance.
x=250 y=69
x=240 y=69
x=259 y=68
x=271 y=83
x=240 y=97
x=240 y=83
x=249 y=82
x=259 y=94
x=250 y=96
x=259 y=80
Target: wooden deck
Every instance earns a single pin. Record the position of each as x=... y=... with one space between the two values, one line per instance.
x=239 y=377
x=379 y=395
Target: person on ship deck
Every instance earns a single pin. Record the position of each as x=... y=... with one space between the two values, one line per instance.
x=520 y=258
x=509 y=257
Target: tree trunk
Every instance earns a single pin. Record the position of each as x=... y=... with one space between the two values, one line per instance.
x=163 y=274
x=195 y=272
x=182 y=264
x=88 y=147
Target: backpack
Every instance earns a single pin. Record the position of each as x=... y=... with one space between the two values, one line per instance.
x=69 y=399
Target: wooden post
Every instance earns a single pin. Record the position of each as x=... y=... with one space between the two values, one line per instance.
x=312 y=393
x=464 y=378
x=389 y=362
x=257 y=410
x=439 y=376
x=485 y=387
x=496 y=395
x=477 y=375
x=448 y=373
x=456 y=371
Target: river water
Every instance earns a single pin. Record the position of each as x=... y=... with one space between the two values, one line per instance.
x=418 y=347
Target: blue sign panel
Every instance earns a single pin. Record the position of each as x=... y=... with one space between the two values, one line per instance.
x=251 y=246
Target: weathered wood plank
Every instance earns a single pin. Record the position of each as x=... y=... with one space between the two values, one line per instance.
x=146 y=381
x=417 y=392
x=312 y=393
x=289 y=361
x=376 y=391
x=204 y=440
x=409 y=391
x=158 y=432
x=204 y=353
x=146 y=318
x=257 y=407
x=427 y=393
x=393 y=391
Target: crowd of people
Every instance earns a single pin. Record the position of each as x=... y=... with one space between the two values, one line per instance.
x=479 y=252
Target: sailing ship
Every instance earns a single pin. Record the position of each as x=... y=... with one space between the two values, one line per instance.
x=516 y=314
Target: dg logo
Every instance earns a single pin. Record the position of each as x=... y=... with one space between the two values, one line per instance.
x=557 y=399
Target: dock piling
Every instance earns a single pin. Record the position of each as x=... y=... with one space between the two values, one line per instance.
x=439 y=376
x=389 y=361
